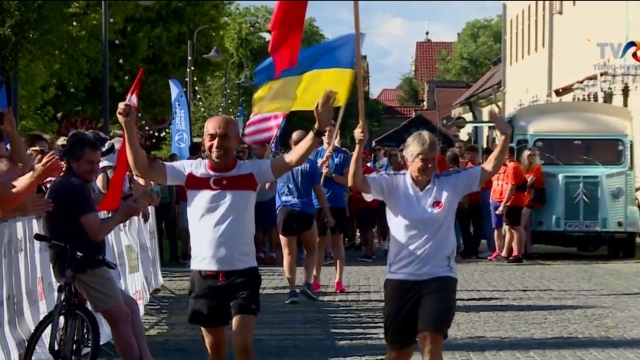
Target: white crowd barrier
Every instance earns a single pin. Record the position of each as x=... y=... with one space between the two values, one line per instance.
x=29 y=289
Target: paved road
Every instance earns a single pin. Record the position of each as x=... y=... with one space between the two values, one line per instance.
x=554 y=308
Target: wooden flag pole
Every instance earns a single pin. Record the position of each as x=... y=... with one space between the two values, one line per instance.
x=359 y=74
x=333 y=138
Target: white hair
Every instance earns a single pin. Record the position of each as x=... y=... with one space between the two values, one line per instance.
x=419 y=143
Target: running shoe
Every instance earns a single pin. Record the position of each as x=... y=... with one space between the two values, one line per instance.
x=316 y=286
x=366 y=258
x=494 y=256
x=272 y=259
x=292 y=298
x=340 y=289
x=328 y=258
x=307 y=291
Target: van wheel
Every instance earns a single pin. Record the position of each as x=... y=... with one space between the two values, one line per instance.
x=614 y=250
x=629 y=249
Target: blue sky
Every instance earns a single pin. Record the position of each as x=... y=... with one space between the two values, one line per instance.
x=393 y=27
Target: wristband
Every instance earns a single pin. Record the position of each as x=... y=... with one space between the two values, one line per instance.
x=317 y=133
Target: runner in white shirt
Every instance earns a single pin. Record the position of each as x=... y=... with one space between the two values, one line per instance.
x=421 y=283
x=221 y=192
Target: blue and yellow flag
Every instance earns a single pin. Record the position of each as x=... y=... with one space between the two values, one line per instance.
x=327 y=66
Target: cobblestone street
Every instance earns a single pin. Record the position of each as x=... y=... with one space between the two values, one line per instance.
x=556 y=308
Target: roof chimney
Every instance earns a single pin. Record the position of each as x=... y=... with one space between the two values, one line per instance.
x=426 y=38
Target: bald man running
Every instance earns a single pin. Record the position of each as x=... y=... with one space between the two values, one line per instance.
x=221 y=195
x=296 y=219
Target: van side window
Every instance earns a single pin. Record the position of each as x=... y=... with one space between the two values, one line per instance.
x=521 y=146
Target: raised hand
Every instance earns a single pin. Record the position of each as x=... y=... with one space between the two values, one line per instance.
x=9 y=124
x=361 y=134
x=50 y=166
x=126 y=113
x=324 y=110
x=500 y=123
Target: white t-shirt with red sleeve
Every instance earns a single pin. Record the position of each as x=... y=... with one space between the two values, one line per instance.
x=220 y=209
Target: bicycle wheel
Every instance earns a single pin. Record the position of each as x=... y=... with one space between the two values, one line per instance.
x=88 y=334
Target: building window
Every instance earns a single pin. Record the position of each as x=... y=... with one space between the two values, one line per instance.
x=517 y=53
x=535 y=28
x=529 y=30
x=544 y=23
x=522 y=35
x=510 y=42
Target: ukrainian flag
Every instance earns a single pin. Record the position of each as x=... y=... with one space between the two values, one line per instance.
x=327 y=66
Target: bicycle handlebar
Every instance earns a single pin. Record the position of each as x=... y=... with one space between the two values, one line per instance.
x=45 y=239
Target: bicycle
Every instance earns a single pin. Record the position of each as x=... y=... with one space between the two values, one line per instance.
x=79 y=325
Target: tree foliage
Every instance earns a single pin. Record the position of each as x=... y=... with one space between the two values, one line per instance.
x=60 y=68
x=410 y=92
x=479 y=44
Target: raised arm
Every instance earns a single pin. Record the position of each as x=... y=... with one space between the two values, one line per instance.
x=356 y=179
x=18 y=153
x=323 y=114
x=498 y=156
x=140 y=164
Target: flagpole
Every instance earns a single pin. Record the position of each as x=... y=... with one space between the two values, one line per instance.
x=359 y=74
x=333 y=138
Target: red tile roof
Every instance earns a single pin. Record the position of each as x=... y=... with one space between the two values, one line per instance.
x=400 y=111
x=389 y=97
x=426 y=58
x=446 y=98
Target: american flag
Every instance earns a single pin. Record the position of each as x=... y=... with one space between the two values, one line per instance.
x=262 y=128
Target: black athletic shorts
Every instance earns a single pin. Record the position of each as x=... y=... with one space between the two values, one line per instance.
x=215 y=297
x=366 y=218
x=513 y=215
x=339 y=215
x=293 y=222
x=412 y=307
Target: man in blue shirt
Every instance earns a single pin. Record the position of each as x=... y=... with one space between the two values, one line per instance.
x=333 y=162
x=296 y=219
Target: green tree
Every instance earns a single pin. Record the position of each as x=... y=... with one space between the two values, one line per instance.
x=479 y=43
x=64 y=74
x=409 y=90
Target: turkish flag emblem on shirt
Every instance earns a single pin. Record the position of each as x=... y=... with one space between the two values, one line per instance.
x=438 y=204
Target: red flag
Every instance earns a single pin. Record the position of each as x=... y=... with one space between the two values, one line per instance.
x=112 y=198
x=286 y=26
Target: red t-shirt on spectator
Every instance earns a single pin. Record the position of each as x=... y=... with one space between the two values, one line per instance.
x=442 y=163
x=357 y=201
x=474 y=197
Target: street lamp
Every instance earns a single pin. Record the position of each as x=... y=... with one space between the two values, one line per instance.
x=215 y=55
x=105 y=62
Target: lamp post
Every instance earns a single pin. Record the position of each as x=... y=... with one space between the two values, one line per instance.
x=215 y=55
x=105 y=62
x=227 y=78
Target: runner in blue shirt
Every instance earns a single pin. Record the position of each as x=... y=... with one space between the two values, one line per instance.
x=333 y=161
x=296 y=219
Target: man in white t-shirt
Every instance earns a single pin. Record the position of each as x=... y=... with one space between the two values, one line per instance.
x=421 y=284
x=221 y=195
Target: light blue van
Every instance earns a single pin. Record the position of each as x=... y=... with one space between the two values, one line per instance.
x=586 y=152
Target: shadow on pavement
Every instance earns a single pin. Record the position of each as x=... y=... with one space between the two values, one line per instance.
x=481 y=344
x=516 y=308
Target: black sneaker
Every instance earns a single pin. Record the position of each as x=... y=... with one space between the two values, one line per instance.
x=515 y=260
x=292 y=298
x=328 y=258
x=366 y=258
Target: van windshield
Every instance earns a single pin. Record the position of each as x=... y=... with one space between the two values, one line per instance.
x=581 y=151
